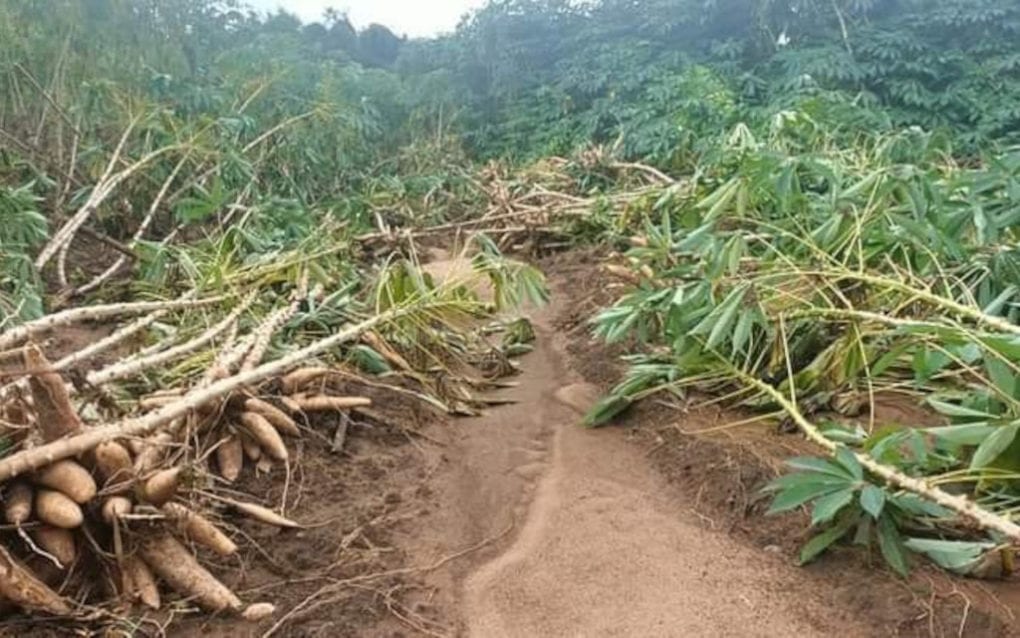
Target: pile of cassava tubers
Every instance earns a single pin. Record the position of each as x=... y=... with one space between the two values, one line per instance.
x=134 y=500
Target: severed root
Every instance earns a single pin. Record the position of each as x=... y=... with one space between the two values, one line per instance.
x=140 y=583
x=114 y=465
x=277 y=417
x=35 y=458
x=58 y=510
x=298 y=379
x=261 y=514
x=58 y=543
x=161 y=486
x=258 y=611
x=176 y=566
x=151 y=452
x=56 y=416
x=17 y=500
x=69 y=478
x=200 y=529
x=19 y=586
x=115 y=507
x=230 y=457
x=329 y=404
x=264 y=434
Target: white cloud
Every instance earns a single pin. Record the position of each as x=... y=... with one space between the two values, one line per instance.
x=411 y=17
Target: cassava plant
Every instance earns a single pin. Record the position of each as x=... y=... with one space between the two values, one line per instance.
x=789 y=282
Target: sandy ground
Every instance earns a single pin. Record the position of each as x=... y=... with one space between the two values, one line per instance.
x=595 y=547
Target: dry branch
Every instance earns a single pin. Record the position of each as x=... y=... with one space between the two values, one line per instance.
x=107 y=184
x=61 y=237
x=265 y=332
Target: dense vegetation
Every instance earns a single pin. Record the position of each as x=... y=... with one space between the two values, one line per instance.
x=537 y=77
x=523 y=79
x=820 y=199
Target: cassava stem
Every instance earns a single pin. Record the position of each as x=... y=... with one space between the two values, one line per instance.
x=134 y=366
x=959 y=504
x=94 y=313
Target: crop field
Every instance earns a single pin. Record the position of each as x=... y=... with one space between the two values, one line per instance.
x=291 y=316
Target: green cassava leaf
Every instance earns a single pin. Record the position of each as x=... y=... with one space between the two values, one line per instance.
x=994 y=445
x=1002 y=375
x=823 y=541
x=956 y=556
x=800 y=493
x=971 y=434
x=606 y=410
x=828 y=506
x=891 y=545
x=849 y=462
x=822 y=466
x=953 y=410
x=872 y=500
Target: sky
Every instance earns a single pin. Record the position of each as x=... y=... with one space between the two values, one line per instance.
x=411 y=17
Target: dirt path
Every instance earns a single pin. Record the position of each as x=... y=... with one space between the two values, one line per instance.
x=596 y=546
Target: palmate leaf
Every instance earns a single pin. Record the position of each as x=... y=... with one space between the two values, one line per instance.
x=996 y=305
x=790 y=480
x=742 y=333
x=717 y=203
x=1006 y=347
x=1002 y=375
x=719 y=323
x=847 y=459
x=969 y=434
x=927 y=363
x=606 y=410
x=916 y=506
x=369 y=360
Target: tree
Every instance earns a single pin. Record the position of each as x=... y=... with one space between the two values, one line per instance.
x=378 y=46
